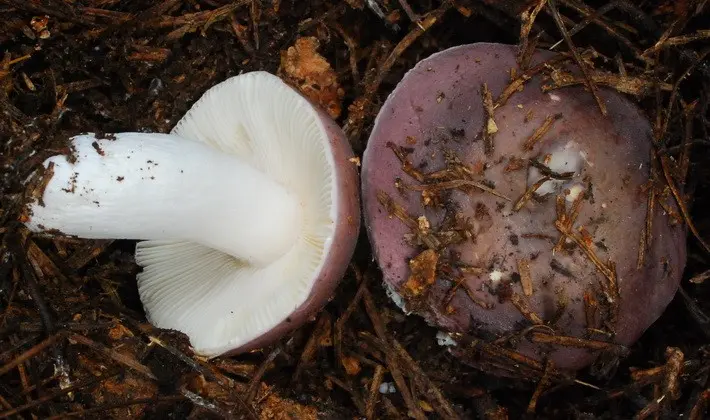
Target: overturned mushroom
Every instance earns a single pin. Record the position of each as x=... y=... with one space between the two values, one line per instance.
x=249 y=209
x=517 y=214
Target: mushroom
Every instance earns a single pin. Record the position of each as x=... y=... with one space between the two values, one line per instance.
x=524 y=222
x=247 y=212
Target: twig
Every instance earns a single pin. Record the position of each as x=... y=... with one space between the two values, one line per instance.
x=518 y=364
x=109 y=407
x=354 y=394
x=611 y=287
x=681 y=203
x=322 y=327
x=258 y=374
x=647 y=230
x=600 y=12
x=118 y=357
x=36 y=349
x=352 y=51
x=701 y=277
x=371 y=402
x=696 y=413
x=566 y=219
x=460 y=282
x=212 y=406
x=551 y=4
x=696 y=312
x=183 y=357
x=457 y=183
x=69 y=14
x=541 y=131
x=651 y=408
x=357 y=119
x=7 y=354
x=255 y=15
x=16 y=242
x=575 y=342
x=527 y=48
x=46 y=398
x=306 y=24
x=678 y=40
x=490 y=128
x=198 y=18
x=391 y=357
x=408 y=10
x=689 y=114
x=545 y=170
x=591 y=309
x=84 y=255
x=661 y=133
x=398 y=211
x=521 y=304
x=340 y=323
x=595 y=16
x=5 y=403
x=631 y=85
x=430 y=390
x=239 y=32
x=527 y=195
x=158 y=9
x=543 y=384
x=517 y=84
x=111 y=15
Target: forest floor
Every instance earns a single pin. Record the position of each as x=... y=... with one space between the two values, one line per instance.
x=74 y=341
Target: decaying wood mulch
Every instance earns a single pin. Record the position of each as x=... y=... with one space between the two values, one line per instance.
x=73 y=339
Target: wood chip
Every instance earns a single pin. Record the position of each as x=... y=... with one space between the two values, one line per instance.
x=525 y=276
x=541 y=131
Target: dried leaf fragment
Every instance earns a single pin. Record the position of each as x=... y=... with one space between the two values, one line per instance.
x=311 y=73
x=423 y=273
x=674 y=366
x=491 y=126
x=351 y=365
x=272 y=406
x=700 y=278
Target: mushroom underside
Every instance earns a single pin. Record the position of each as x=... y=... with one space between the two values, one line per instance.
x=194 y=196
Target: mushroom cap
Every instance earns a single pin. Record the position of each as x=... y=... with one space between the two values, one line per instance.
x=438 y=106
x=221 y=303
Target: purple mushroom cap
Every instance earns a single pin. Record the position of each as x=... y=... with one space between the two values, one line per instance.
x=515 y=268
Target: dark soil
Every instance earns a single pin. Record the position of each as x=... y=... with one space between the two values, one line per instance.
x=73 y=338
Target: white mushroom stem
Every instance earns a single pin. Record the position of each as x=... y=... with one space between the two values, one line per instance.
x=163 y=187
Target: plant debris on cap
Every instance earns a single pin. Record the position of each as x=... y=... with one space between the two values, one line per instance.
x=249 y=210
x=516 y=216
